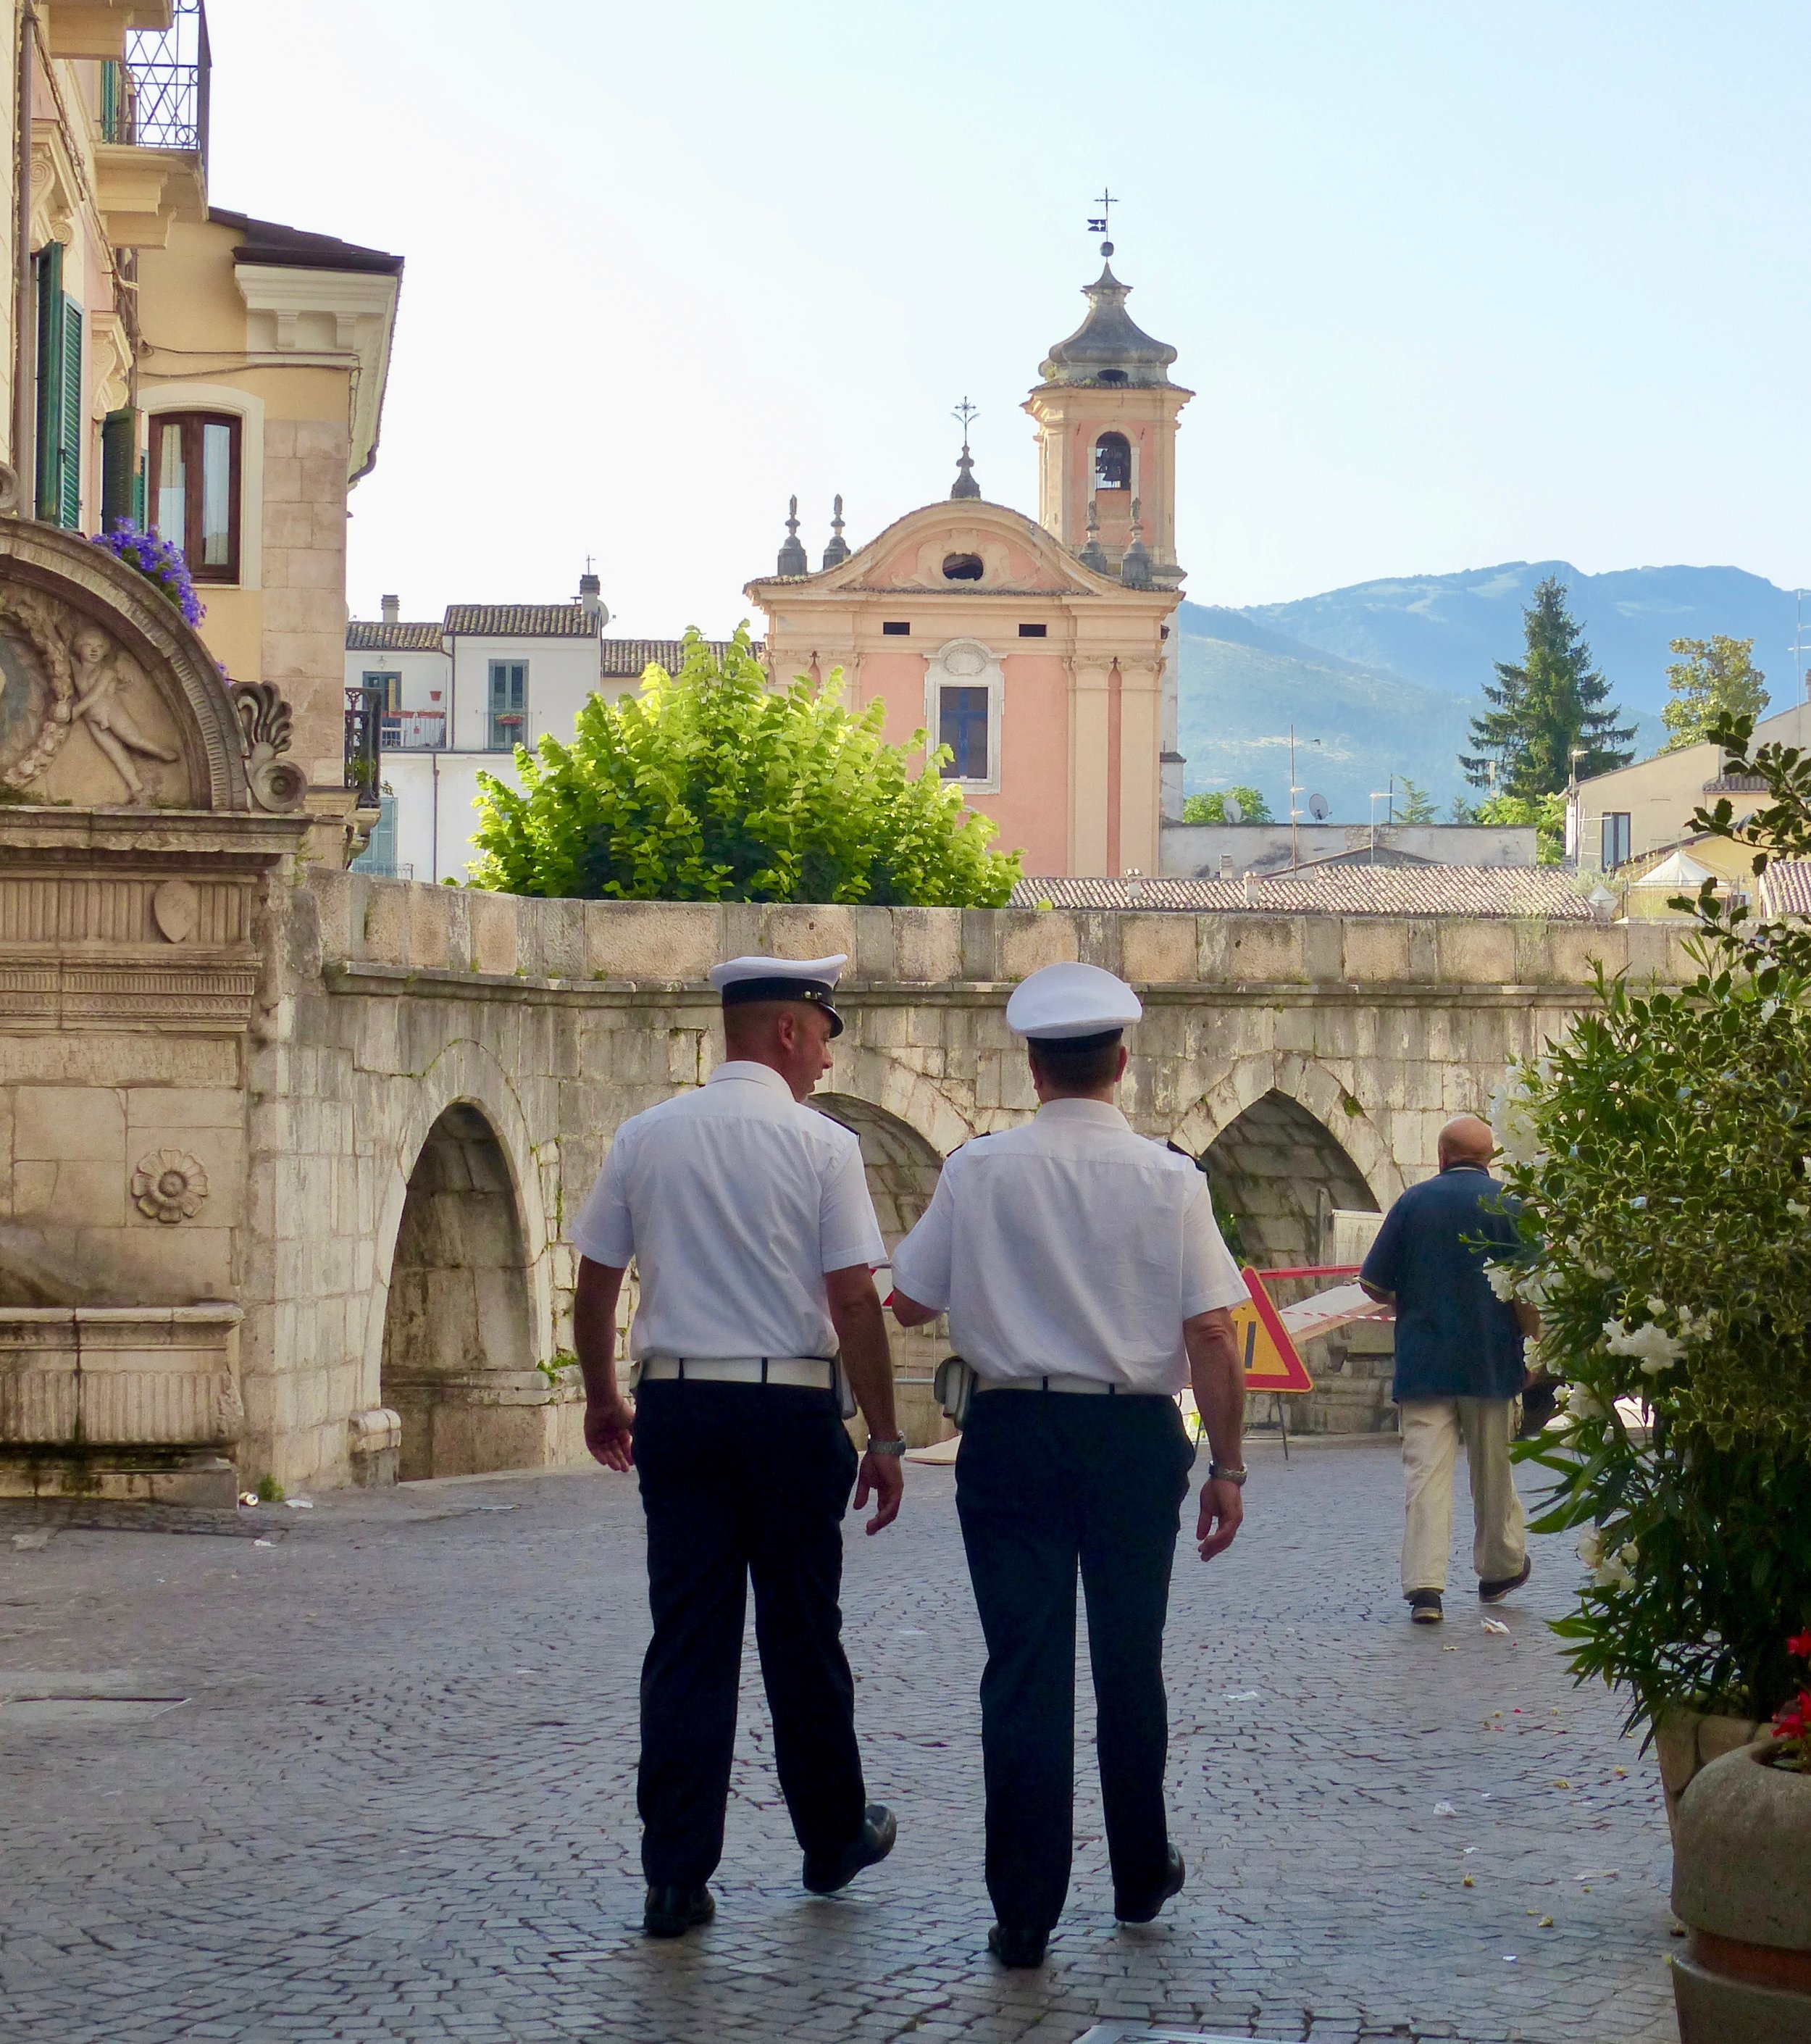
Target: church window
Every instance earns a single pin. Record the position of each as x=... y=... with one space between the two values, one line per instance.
x=194 y=489
x=1112 y=461
x=1615 y=840
x=895 y=628
x=962 y=567
x=963 y=725
x=1034 y=631
x=1113 y=376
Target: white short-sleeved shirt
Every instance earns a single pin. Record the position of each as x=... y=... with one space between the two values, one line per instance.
x=734 y=1201
x=1070 y=1246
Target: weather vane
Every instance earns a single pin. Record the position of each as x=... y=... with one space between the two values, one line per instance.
x=1101 y=223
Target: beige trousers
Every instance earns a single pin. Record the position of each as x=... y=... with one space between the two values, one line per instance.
x=1432 y=1429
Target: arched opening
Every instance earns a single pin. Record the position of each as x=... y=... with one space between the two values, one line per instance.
x=1278 y=1176
x=1112 y=461
x=902 y=1170
x=962 y=567
x=459 y=1354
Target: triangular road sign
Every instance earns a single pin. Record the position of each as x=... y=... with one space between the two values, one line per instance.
x=1269 y=1356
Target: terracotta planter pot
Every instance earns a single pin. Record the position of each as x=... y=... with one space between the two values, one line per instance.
x=1742 y=1887
x=1686 y=1742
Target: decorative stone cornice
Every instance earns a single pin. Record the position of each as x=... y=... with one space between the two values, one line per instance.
x=315 y=311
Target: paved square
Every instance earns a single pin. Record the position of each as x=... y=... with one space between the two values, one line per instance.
x=398 y=1803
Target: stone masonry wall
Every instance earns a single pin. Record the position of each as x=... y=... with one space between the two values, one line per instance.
x=556 y=1019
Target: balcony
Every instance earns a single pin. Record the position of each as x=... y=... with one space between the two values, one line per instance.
x=412 y=731
x=151 y=162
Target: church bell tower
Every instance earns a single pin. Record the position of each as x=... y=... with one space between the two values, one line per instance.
x=1107 y=414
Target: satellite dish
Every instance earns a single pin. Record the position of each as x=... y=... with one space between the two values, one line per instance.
x=1233 y=809
x=1318 y=808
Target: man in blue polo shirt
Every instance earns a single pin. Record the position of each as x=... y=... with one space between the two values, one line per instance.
x=1459 y=1366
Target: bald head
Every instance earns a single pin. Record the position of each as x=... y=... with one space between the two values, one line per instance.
x=1465 y=1139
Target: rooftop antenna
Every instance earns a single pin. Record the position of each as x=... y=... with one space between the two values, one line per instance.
x=1100 y=223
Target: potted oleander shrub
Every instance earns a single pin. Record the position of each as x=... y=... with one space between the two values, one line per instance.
x=1661 y=1150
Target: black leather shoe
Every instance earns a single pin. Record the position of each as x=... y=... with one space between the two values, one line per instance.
x=1018 y=1948
x=670 y=1912
x=1425 y=1607
x=873 y=1842
x=1175 y=1873
x=1495 y=1592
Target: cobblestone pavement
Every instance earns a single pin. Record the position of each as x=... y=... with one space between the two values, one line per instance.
x=398 y=1804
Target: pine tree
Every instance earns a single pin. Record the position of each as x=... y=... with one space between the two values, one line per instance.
x=1554 y=704
x=1417 y=805
x=1717 y=678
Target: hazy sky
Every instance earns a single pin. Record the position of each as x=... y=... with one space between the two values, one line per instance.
x=1454 y=283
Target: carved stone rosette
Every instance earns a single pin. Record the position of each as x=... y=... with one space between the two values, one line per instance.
x=169 y=1186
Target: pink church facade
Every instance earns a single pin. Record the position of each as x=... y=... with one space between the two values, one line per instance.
x=1041 y=653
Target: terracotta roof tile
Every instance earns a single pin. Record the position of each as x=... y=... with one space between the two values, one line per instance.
x=1785 y=888
x=363 y=636
x=521 y=620
x=634 y=656
x=1493 y=891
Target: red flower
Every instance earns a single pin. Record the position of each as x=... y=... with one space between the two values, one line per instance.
x=1801 y=1646
x=1793 y=1720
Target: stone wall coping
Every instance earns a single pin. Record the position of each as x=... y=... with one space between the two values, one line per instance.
x=199 y=836
x=213 y=1313
x=358 y=976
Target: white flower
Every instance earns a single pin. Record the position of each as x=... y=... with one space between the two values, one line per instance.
x=1650 y=1344
x=1512 y=1118
x=1501 y=1278
x=1590 y=1546
x=1581 y=1405
x=1798 y=1209
x=1616 y=1571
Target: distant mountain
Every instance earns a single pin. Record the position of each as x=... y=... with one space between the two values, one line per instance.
x=1386 y=675
x=1446 y=630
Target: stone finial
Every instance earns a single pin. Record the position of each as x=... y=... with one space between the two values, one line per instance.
x=837 y=552
x=964 y=485
x=1135 y=563
x=792 y=557
x=1092 y=555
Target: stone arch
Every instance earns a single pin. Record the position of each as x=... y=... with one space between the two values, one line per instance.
x=466 y=1075
x=1281 y=1174
x=57 y=591
x=1310 y=1086
x=871 y=1078
x=902 y=1168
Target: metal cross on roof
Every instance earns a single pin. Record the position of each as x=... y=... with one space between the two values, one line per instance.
x=1101 y=223
x=966 y=412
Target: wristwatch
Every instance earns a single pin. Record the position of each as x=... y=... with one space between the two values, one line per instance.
x=1226 y=1472
x=893 y=1447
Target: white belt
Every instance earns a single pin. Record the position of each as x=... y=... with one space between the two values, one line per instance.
x=811 y=1373
x=1093 y=1387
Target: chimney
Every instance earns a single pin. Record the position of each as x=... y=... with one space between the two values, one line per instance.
x=392 y=609
x=591 y=597
x=1251 y=890
x=1226 y=865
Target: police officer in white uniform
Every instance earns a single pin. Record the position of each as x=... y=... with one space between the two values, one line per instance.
x=1086 y=1284
x=748 y=1218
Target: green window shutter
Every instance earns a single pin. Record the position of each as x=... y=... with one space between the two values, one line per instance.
x=69 y=495
x=119 y=468
x=141 y=483
x=110 y=101
x=47 y=264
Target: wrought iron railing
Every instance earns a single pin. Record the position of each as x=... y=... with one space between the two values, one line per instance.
x=412 y=731
x=364 y=721
x=157 y=99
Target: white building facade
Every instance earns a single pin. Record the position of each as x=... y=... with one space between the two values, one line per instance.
x=448 y=699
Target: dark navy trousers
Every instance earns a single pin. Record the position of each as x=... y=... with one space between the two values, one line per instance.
x=742 y=1482
x=1047 y=1482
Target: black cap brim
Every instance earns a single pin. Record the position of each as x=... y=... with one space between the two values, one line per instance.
x=741 y=992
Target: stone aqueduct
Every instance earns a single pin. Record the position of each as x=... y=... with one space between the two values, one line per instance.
x=286 y=1152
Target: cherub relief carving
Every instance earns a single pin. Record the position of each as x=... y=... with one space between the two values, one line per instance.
x=99 y=671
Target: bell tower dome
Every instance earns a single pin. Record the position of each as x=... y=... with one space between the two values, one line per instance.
x=1107 y=414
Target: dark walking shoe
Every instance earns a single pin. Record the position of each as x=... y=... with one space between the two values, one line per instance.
x=873 y=1842
x=670 y=1912
x=1018 y=1948
x=1146 y=1912
x=1495 y=1592
x=1425 y=1607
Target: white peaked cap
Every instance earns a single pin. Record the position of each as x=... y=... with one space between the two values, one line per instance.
x=813 y=972
x=1071 y=1000
x=743 y=980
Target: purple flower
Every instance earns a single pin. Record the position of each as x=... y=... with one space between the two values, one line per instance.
x=158 y=561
